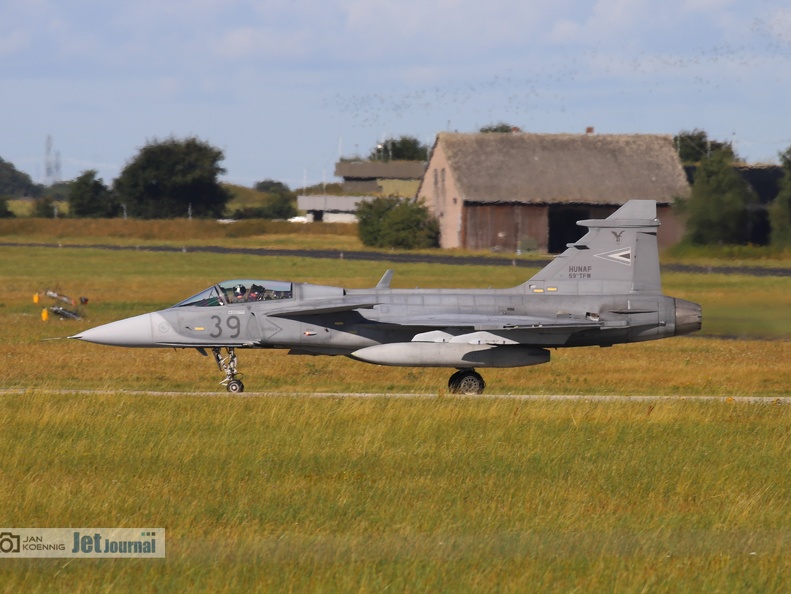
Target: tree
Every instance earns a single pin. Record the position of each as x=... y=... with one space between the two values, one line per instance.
x=694 y=146
x=47 y=208
x=280 y=202
x=89 y=197
x=500 y=127
x=5 y=212
x=271 y=186
x=173 y=178
x=718 y=205
x=276 y=207
x=59 y=191
x=281 y=206
x=780 y=210
x=394 y=222
x=14 y=183
x=403 y=148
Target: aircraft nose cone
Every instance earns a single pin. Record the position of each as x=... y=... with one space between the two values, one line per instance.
x=131 y=332
x=689 y=317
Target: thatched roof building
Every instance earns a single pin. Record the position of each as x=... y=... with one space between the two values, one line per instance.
x=497 y=190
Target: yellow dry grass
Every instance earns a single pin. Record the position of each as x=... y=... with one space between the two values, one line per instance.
x=343 y=494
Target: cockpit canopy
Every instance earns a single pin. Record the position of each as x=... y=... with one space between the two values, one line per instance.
x=239 y=291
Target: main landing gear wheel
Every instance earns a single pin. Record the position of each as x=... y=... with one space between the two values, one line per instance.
x=227 y=365
x=466 y=381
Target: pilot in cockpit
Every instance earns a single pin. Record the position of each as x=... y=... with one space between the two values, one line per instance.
x=239 y=292
x=256 y=293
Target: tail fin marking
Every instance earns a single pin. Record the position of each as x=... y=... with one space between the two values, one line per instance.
x=618 y=254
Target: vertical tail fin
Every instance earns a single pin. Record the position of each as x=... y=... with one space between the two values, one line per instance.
x=618 y=254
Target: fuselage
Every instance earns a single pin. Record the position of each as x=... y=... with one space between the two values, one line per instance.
x=315 y=319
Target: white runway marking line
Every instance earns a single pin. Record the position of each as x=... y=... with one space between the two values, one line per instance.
x=550 y=397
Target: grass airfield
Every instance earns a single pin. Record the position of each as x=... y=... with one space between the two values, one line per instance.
x=437 y=493
x=342 y=494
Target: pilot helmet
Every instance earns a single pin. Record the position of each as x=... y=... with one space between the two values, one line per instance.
x=239 y=290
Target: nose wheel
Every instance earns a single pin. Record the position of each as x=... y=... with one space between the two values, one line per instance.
x=466 y=381
x=227 y=365
x=235 y=386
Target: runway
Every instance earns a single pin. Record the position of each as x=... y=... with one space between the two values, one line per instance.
x=773 y=400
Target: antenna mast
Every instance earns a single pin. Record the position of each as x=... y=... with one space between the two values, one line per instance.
x=51 y=164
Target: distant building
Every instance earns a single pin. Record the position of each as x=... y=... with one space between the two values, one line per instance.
x=526 y=191
x=364 y=180
x=386 y=178
x=331 y=209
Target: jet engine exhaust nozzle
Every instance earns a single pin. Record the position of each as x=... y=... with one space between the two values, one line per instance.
x=689 y=317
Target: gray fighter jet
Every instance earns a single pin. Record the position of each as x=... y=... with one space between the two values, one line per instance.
x=603 y=290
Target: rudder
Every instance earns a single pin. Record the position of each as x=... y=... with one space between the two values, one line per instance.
x=618 y=254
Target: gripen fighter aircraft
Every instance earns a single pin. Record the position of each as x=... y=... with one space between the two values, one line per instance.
x=603 y=290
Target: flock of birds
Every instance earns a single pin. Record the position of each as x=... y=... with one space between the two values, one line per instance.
x=570 y=83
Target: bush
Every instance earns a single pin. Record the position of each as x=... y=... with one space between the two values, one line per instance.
x=47 y=208
x=5 y=212
x=717 y=208
x=278 y=206
x=780 y=210
x=393 y=222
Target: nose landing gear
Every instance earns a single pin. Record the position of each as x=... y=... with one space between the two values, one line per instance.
x=227 y=365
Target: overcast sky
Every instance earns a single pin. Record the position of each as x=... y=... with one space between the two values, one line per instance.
x=285 y=87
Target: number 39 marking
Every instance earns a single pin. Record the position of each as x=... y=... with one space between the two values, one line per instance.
x=233 y=324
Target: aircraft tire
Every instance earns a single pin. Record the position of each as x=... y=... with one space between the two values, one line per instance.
x=235 y=386
x=466 y=381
